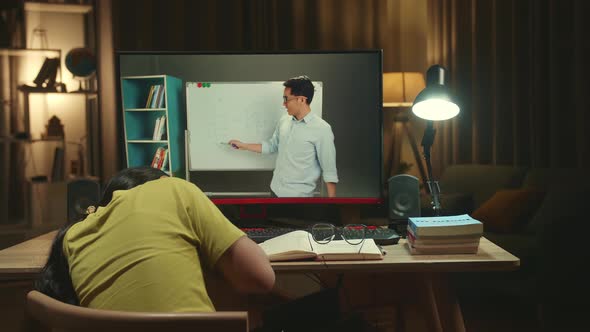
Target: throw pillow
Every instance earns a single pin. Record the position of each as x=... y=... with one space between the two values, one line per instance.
x=509 y=210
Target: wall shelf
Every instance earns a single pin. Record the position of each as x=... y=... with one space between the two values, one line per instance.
x=146 y=141
x=146 y=109
x=57 y=8
x=89 y=94
x=26 y=140
x=50 y=53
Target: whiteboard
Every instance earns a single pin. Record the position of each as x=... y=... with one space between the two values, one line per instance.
x=247 y=111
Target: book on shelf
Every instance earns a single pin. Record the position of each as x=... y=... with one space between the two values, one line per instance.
x=157 y=89
x=459 y=225
x=164 y=160
x=159 y=128
x=299 y=245
x=160 y=160
x=157 y=157
x=156 y=129
x=149 y=98
x=57 y=172
x=162 y=127
x=158 y=101
x=161 y=102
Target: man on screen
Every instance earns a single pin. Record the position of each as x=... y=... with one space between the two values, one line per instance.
x=304 y=143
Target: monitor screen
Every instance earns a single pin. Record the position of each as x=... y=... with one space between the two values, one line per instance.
x=232 y=97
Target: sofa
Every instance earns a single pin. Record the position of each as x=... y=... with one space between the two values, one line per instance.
x=538 y=215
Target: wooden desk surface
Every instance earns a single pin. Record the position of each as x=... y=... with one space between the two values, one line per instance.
x=24 y=261
x=489 y=257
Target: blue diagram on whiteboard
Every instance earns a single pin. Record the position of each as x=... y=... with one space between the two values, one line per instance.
x=247 y=111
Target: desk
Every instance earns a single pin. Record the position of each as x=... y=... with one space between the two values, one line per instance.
x=424 y=276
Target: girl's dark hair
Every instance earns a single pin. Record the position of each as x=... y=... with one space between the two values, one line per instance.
x=55 y=280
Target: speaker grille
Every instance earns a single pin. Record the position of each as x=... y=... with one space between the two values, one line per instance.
x=404 y=197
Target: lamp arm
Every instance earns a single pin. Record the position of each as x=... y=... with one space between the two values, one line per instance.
x=433 y=187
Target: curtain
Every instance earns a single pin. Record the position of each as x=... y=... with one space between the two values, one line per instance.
x=266 y=25
x=517 y=70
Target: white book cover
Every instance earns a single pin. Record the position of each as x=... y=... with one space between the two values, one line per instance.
x=156 y=129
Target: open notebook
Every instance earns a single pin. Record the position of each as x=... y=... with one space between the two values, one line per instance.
x=299 y=245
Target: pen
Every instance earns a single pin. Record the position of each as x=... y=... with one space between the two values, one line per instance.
x=226 y=143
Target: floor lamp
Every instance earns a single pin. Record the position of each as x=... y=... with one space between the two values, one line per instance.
x=399 y=91
x=434 y=103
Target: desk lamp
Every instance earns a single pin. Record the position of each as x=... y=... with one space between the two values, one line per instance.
x=434 y=103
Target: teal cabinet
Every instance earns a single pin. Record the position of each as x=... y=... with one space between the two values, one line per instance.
x=146 y=101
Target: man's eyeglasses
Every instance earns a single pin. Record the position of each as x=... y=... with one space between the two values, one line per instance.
x=324 y=233
x=287 y=99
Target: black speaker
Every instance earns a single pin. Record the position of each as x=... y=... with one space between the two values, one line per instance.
x=404 y=197
x=81 y=194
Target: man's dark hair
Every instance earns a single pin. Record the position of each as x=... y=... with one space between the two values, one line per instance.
x=300 y=86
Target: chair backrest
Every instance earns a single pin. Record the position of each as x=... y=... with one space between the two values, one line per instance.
x=50 y=313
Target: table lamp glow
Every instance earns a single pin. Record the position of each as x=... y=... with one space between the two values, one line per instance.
x=434 y=103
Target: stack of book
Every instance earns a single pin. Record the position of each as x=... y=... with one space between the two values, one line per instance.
x=444 y=235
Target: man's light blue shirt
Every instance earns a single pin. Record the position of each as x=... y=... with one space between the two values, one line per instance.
x=305 y=151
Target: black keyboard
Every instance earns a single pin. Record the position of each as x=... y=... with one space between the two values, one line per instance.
x=382 y=236
x=261 y=234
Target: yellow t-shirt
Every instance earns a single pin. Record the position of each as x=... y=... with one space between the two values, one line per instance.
x=144 y=250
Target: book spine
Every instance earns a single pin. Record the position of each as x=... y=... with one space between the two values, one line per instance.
x=156 y=129
x=416 y=251
x=165 y=160
x=412 y=227
x=149 y=99
x=160 y=94
x=162 y=129
x=155 y=95
x=162 y=102
x=161 y=159
x=156 y=161
x=157 y=100
x=450 y=246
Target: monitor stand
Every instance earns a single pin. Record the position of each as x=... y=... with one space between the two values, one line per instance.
x=251 y=216
x=245 y=212
x=350 y=214
x=257 y=215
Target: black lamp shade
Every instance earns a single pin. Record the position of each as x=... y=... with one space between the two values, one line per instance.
x=435 y=101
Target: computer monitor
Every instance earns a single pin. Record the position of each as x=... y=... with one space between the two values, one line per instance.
x=348 y=97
